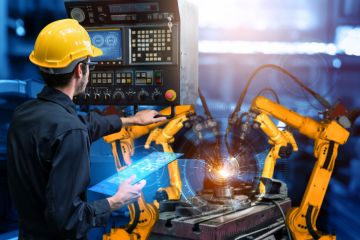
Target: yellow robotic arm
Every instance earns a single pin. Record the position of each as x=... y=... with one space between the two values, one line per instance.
x=127 y=135
x=165 y=137
x=280 y=141
x=143 y=215
x=328 y=135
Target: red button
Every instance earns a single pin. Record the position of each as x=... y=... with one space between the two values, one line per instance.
x=170 y=95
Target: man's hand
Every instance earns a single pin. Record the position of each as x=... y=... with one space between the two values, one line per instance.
x=126 y=193
x=144 y=117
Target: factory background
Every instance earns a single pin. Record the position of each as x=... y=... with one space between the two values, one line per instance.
x=318 y=41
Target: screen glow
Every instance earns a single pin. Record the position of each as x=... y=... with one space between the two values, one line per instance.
x=109 y=41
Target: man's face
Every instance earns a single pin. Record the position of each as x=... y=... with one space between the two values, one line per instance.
x=80 y=88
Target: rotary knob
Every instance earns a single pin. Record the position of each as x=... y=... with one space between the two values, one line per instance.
x=142 y=95
x=97 y=96
x=78 y=14
x=86 y=96
x=119 y=95
x=107 y=96
x=130 y=95
x=156 y=95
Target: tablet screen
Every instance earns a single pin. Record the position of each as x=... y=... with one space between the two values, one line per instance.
x=141 y=169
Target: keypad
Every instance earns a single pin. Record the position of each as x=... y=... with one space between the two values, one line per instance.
x=143 y=77
x=124 y=78
x=101 y=78
x=151 y=45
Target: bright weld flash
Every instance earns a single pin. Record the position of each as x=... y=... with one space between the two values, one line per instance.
x=224 y=173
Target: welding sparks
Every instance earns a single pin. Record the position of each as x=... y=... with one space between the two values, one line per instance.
x=224 y=173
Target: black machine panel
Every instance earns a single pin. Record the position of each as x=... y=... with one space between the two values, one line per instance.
x=140 y=41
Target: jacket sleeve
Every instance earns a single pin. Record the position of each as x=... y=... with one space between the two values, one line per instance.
x=99 y=126
x=66 y=211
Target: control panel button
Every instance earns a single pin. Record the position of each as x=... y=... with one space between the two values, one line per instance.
x=144 y=77
x=151 y=45
x=102 y=17
x=158 y=78
x=170 y=95
x=123 y=78
x=102 y=78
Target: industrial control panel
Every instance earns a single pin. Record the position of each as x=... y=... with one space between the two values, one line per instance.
x=150 y=52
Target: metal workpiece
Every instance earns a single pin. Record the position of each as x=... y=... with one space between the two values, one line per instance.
x=224 y=224
x=224 y=192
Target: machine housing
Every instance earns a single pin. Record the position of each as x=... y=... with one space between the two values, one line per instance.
x=150 y=51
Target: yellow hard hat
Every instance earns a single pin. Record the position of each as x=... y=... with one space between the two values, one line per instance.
x=60 y=43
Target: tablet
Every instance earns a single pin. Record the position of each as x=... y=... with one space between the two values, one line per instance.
x=141 y=169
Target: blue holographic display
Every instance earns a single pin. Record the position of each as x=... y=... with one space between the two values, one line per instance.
x=109 y=41
x=141 y=169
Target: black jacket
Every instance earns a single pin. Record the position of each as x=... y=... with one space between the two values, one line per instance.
x=48 y=167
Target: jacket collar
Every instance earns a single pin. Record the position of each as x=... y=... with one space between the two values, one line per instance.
x=58 y=97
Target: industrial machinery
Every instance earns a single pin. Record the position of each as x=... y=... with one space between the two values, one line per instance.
x=149 y=60
x=150 y=51
x=226 y=208
x=144 y=215
x=328 y=134
x=283 y=141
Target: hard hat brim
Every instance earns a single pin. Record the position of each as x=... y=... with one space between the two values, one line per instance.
x=96 y=51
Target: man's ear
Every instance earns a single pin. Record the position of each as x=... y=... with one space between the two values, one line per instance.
x=78 y=71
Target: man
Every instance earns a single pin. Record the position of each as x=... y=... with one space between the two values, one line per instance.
x=48 y=143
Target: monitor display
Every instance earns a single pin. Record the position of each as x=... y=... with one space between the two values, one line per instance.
x=134 y=7
x=109 y=41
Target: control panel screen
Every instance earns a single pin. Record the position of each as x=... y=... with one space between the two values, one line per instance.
x=134 y=7
x=109 y=41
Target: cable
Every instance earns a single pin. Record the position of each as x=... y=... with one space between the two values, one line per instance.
x=311 y=230
x=329 y=156
x=209 y=117
x=233 y=116
x=320 y=99
x=227 y=132
x=136 y=218
x=284 y=218
x=270 y=90
x=306 y=96
x=203 y=102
